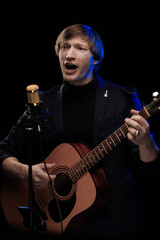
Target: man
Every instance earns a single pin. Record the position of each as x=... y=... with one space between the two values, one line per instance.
x=87 y=109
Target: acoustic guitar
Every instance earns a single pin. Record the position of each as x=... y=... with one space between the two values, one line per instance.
x=78 y=189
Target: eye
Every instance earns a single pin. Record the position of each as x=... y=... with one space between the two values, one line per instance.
x=82 y=48
x=64 y=46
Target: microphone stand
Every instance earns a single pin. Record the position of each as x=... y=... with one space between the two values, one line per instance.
x=33 y=120
x=30 y=130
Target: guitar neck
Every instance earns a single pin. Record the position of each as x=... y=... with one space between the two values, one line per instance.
x=101 y=150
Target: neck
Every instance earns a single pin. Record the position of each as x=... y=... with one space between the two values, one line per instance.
x=80 y=82
x=79 y=91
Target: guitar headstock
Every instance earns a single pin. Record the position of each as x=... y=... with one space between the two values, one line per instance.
x=154 y=106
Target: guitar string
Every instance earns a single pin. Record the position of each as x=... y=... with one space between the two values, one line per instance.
x=104 y=145
x=52 y=188
x=87 y=159
x=112 y=138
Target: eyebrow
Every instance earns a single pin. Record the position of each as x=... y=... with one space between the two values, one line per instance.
x=77 y=44
x=81 y=44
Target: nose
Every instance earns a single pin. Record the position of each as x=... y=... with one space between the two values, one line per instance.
x=70 y=54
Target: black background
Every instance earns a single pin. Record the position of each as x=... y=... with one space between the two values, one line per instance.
x=28 y=35
x=131 y=41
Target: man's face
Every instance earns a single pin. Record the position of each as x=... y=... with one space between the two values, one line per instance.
x=76 y=61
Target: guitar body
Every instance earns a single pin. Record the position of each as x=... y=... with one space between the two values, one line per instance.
x=77 y=190
x=76 y=198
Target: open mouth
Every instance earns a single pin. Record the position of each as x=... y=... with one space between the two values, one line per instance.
x=70 y=66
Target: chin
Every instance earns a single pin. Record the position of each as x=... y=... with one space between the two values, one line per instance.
x=72 y=82
x=70 y=79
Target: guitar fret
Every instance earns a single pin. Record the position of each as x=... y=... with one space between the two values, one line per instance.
x=144 y=113
x=111 y=137
x=74 y=179
x=108 y=145
x=86 y=163
x=90 y=161
x=93 y=160
x=120 y=135
x=104 y=147
x=83 y=166
x=117 y=136
x=98 y=152
x=110 y=142
x=97 y=155
x=78 y=170
x=75 y=172
x=70 y=175
x=81 y=171
x=125 y=129
x=122 y=132
x=101 y=150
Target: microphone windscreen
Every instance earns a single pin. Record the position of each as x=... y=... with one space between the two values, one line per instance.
x=33 y=94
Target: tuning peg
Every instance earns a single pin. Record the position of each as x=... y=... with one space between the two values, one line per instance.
x=155 y=94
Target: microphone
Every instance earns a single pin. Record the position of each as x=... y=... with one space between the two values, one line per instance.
x=36 y=112
x=33 y=94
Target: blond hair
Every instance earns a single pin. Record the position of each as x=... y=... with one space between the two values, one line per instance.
x=94 y=40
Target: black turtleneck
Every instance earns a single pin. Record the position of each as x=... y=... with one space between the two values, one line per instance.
x=78 y=112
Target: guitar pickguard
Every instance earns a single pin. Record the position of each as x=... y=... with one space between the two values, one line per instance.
x=65 y=207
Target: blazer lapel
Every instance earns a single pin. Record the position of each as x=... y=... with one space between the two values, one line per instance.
x=101 y=102
x=58 y=109
x=54 y=102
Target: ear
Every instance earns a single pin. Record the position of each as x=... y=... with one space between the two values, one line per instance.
x=96 y=62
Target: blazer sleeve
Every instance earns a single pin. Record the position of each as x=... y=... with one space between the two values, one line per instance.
x=15 y=143
x=151 y=168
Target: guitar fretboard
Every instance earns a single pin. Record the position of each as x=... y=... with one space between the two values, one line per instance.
x=107 y=145
x=94 y=156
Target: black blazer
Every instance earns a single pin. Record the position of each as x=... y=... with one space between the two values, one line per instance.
x=112 y=105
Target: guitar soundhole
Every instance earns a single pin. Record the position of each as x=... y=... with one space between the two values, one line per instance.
x=64 y=191
x=62 y=185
